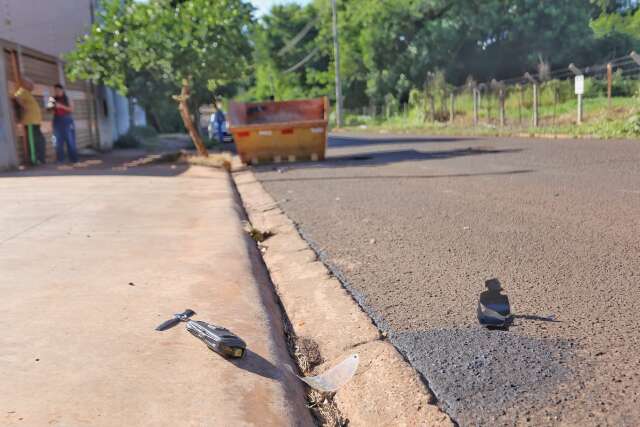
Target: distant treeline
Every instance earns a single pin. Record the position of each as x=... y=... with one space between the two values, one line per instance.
x=388 y=47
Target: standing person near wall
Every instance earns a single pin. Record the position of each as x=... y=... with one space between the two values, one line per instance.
x=31 y=118
x=216 y=123
x=63 y=125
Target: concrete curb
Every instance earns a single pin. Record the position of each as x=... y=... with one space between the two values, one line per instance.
x=386 y=389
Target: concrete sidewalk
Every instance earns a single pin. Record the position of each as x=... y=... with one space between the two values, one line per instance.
x=91 y=263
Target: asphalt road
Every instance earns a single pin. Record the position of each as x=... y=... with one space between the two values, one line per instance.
x=415 y=225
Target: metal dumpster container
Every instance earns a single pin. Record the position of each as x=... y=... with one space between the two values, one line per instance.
x=280 y=131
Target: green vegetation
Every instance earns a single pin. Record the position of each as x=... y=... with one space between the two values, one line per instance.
x=147 y=49
x=401 y=59
x=620 y=121
x=136 y=137
x=389 y=47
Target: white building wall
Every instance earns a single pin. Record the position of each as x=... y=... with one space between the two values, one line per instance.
x=122 y=113
x=50 y=26
x=53 y=27
x=106 y=121
x=139 y=116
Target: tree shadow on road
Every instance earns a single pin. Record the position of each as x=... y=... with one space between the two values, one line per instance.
x=378 y=158
x=382 y=177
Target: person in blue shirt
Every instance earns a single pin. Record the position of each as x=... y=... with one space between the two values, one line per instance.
x=216 y=123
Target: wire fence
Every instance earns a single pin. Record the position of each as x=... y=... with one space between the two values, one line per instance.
x=546 y=99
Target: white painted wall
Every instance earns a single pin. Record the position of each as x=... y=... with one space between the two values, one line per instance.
x=52 y=27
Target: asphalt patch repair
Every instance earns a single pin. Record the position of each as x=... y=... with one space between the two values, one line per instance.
x=505 y=368
x=481 y=375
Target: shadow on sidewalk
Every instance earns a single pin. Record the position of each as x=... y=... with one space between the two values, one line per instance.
x=118 y=162
x=258 y=365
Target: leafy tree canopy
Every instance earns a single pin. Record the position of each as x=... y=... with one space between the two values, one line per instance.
x=147 y=49
x=388 y=47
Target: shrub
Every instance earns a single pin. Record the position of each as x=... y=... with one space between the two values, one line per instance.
x=595 y=88
x=621 y=86
x=632 y=126
x=128 y=140
x=143 y=132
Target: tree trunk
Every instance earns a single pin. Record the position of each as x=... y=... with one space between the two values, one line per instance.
x=153 y=119
x=183 y=107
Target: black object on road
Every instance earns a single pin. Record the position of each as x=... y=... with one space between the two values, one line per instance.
x=177 y=318
x=494 y=310
x=219 y=339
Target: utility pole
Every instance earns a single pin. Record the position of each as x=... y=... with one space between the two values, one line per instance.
x=336 y=49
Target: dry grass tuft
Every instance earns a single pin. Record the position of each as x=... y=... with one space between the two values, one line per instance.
x=308 y=354
x=258 y=235
x=325 y=409
x=216 y=160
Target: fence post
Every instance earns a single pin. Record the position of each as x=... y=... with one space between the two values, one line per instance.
x=580 y=109
x=487 y=100
x=432 y=105
x=503 y=116
x=536 y=89
x=534 y=82
x=501 y=100
x=452 y=107
x=475 y=105
x=520 y=102
x=609 y=82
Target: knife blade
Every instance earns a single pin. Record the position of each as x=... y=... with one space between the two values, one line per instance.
x=177 y=318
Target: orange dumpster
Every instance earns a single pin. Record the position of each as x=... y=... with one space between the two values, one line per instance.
x=280 y=131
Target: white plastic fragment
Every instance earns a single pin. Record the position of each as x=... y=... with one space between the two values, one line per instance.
x=334 y=378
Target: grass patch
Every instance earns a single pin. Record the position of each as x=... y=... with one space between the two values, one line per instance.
x=216 y=160
x=258 y=235
x=621 y=120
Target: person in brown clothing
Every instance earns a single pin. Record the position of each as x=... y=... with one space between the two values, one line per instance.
x=31 y=118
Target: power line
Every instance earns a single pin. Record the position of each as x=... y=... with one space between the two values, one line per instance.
x=625 y=64
x=303 y=61
x=298 y=37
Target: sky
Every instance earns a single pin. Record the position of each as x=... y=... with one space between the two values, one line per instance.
x=264 y=5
